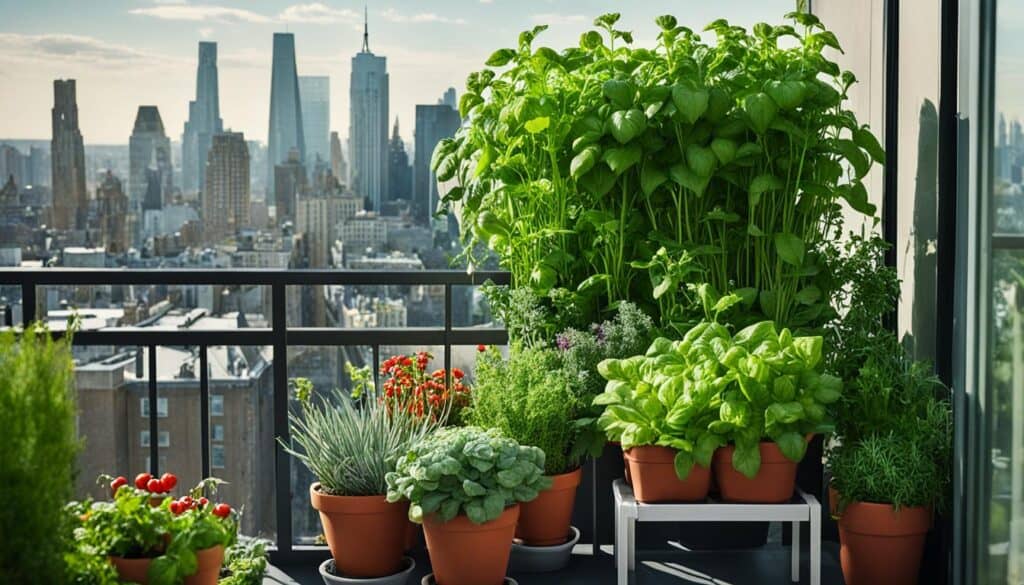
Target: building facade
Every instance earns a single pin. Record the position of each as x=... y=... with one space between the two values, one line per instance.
x=399 y=171
x=338 y=165
x=112 y=215
x=315 y=98
x=286 y=131
x=368 y=125
x=433 y=124
x=226 y=197
x=204 y=121
x=149 y=149
x=67 y=157
x=289 y=183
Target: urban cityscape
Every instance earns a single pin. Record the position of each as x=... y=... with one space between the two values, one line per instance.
x=208 y=197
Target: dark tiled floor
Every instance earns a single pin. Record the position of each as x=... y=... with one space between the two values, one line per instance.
x=768 y=565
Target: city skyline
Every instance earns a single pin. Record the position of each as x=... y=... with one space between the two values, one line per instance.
x=126 y=53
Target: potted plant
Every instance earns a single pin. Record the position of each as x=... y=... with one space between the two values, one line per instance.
x=180 y=540
x=890 y=461
x=350 y=445
x=464 y=484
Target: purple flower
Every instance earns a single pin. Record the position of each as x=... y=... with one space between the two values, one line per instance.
x=562 y=341
x=598 y=331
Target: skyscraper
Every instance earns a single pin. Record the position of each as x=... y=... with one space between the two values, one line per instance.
x=368 y=124
x=285 y=107
x=399 y=172
x=112 y=212
x=148 y=149
x=315 y=98
x=448 y=99
x=203 y=120
x=67 y=156
x=433 y=123
x=226 y=194
x=289 y=183
x=339 y=168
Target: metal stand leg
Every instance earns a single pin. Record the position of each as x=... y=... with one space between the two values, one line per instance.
x=621 y=544
x=815 y=543
x=795 y=553
x=631 y=543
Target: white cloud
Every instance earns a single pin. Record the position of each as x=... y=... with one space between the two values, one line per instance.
x=67 y=47
x=202 y=13
x=552 y=18
x=319 y=13
x=394 y=16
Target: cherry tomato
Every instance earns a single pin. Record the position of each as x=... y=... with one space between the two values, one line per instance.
x=481 y=348
x=119 y=482
x=176 y=508
x=187 y=501
x=154 y=486
x=169 y=480
x=142 y=480
x=222 y=510
x=203 y=502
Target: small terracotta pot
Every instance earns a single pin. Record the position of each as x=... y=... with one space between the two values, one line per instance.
x=545 y=520
x=880 y=545
x=773 y=483
x=366 y=534
x=463 y=553
x=653 y=472
x=132 y=570
x=625 y=464
x=210 y=561
x=413 y=535
x=833 y=501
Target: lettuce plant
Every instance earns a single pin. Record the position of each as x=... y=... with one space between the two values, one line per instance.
x=711 y=388
x=466 y=470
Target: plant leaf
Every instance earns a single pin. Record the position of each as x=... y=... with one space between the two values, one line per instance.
x=652 y=176
x=690 y=102
x=792 y=445
x=500 y=57
x=583 y=162
x=628 y=124
x=620 y=159
x=761 y=110
x=538 y=124
x=790 y=248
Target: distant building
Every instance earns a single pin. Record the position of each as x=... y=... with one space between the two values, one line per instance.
x=67 y=156
x=286 y=132
x=433 y=124
x=14 y=164
x=204 y=121
x=315 y=97
x=338 y=165
x=399 y=171
x=365 y=230
x=226 y=196
x=39 y=167
x=149 y=149
x=289 y=183
x=112 y=212
x=448 y=99
x=368 y=125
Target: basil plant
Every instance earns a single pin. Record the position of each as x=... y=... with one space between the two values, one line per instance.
x=466 y=470
x=712 y=388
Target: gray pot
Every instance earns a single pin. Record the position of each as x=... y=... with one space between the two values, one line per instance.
x=429 y=580
x=542 y=559
x=399 y=578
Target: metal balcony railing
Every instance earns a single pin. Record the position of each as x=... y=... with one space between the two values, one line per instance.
x=279 y=336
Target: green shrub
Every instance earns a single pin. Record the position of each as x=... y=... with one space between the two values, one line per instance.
x=466 y=470
x=529 y=399
x=37 y=415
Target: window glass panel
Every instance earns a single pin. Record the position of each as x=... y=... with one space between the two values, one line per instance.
x=216 y=405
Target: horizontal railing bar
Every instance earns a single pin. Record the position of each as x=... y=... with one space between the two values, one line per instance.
x=296 y=336
x=1008 y=241
x=251 y=276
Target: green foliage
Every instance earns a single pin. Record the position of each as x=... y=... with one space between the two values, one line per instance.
x=37 y=414
x=711 y=388
x=466 y=470
x=351 y=444
x=245 y=562
x=577 y=166
x=529 y=399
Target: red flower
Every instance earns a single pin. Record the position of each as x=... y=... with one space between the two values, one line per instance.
x=457 y=373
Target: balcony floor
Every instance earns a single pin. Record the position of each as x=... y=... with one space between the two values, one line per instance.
x=764 y=566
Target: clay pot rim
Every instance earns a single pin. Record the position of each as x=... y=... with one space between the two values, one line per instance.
x=652 y=454
x=462 y=523
x=566 y=481
x=354 y=505
x=878 y=519
x=770 y=453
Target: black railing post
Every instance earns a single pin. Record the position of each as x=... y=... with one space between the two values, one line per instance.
x=204 y=409
x=28 y=302
x=448 y=335
x=282 y=463
x=154 y=427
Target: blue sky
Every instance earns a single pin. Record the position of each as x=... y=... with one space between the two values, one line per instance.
x=125 y=53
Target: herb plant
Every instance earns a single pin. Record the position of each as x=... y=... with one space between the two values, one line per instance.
x=466 y=470
x=351 y=444
x=605 y=172
x=37 y=413
x=529 y=399
x=245 y=562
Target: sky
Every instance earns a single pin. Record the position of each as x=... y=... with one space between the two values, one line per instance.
x=126 y=53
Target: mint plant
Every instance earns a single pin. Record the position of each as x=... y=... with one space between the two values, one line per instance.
x=466 y=470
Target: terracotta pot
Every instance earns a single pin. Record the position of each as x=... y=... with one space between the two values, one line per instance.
x=366 y=534
x=773 y=483
x=210 y=561
x=625 y=464
x=545 y=520
x=833 y=502
x=653 y=472
x=463 y=553
x=413 y=535
x=880 y=545
x=132 y=570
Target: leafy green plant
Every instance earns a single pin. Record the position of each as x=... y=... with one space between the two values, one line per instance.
x=578 y=166
x=245 y=562
x=37 y=413
x=466 y=470
x=351 y=444
x=529 y=399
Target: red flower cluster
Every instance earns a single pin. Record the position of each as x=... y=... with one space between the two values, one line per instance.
x=411 y=388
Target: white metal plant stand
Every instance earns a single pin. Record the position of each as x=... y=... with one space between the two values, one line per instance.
x=804 y=508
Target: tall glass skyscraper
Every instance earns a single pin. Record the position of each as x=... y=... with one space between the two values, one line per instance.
x=203 y=121
x=368 y=124
x=285 y=107
x=433 y=124
x=67 y=155
x=149 y=149
x=315 y=98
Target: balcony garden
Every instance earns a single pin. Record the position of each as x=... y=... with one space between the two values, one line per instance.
x=686 y=307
